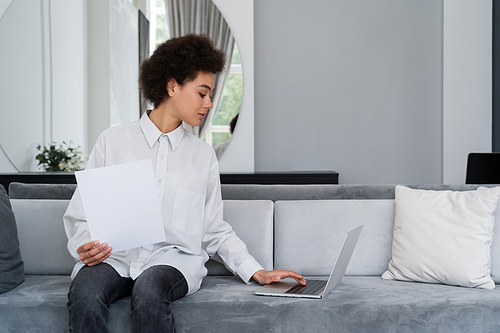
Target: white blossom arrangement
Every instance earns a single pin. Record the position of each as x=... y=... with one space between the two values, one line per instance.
x=62 y=157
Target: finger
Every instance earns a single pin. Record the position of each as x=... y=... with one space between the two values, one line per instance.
x=87 y=246
x=92 y=252
x=88 y=255
x=296 y=276
x=302 y=281
x=98 y=249
x=299 y=278
x=290 y=274
x=98 y=258
x=97 y=262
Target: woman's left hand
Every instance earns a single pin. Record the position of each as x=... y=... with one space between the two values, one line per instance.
x=266 y=277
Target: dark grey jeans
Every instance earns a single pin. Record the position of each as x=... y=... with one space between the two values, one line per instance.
x=94 y=289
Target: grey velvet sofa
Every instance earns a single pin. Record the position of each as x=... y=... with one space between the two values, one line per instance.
x=297 y=227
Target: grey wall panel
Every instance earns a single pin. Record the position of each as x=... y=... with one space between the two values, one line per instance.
x=350 y=86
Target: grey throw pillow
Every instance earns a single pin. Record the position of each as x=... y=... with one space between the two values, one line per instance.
x=11 y=265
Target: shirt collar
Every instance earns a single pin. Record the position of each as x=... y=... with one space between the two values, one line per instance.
x=152 y=133
x=176 y=136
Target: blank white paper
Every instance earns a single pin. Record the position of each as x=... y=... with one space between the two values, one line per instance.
x=121 y=204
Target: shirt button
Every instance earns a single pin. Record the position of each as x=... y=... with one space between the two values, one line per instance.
x=162 y=157
x=159 y=181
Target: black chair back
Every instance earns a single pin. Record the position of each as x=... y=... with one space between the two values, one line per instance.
x=483 y=168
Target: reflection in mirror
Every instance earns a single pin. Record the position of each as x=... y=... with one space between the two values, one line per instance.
x=224 y=121
x=220 y=147
x=174 y=21
x=21 y=94
x=6 y=164
x=55 y=86
x=69 y=81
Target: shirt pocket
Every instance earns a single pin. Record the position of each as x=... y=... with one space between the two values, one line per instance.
x=188 y=212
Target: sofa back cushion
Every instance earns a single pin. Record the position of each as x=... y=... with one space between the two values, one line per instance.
x=43 y=240
x=252 y=220
x=325 y=191
x=41 y=236
x=41 y=191
x=310 y=233
x=11 y=265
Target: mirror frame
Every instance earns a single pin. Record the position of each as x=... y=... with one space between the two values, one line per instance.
x=239 y=154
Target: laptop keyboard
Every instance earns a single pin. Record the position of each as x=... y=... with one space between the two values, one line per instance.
x=313 y=287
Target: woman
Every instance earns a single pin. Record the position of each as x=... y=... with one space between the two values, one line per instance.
x=178 y=80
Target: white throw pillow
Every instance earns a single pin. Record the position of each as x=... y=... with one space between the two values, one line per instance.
x=443 y=236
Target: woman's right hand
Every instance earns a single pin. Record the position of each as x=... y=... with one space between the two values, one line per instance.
x=93 y=253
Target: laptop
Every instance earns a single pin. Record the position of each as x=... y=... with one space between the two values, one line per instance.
x=317 y=288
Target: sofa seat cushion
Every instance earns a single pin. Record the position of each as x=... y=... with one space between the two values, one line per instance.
x=37 y=305
x=225 y=304
x=11 y=265
x=358 y=304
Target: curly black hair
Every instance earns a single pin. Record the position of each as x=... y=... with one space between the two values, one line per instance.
x=180 y=58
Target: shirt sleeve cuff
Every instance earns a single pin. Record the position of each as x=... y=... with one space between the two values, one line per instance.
x=75 y=242
x=247 y=269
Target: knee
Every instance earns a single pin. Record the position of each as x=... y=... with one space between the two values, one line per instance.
x=149 y=294
x=85 y=294
x=148 y=297
x=84 y=299
x=158 y=287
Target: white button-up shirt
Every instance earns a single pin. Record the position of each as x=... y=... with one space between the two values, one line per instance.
x=188 y=185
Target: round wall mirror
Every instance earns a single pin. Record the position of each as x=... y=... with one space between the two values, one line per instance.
x=49 y=92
